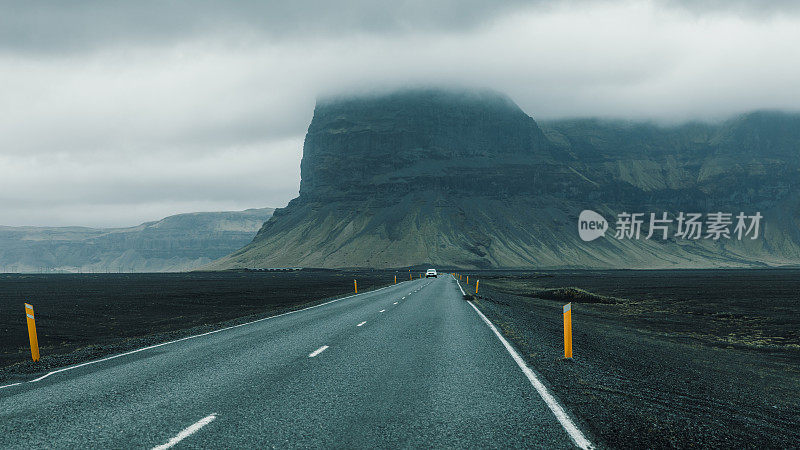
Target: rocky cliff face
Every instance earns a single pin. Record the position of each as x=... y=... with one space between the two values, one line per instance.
x=175 y=243
x=468 y=179
x=413 y=141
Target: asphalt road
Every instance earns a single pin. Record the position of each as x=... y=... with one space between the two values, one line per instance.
x=410 y=365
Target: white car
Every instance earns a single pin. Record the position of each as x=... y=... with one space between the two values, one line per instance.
x=430 y=273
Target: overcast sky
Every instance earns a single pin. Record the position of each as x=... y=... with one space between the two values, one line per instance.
x=114 y=113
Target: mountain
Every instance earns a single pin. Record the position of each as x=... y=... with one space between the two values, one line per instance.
x=175 y=243
x=466 y=178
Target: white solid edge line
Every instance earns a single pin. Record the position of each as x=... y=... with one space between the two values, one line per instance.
x=459 y=286
x=362 y=323
x=569 y=426
x=9 y=385
x=318 y=351
x=64 y=369
x=188 y=431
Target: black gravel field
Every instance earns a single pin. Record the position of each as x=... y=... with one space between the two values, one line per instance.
x=86 y=316
x=663 y=359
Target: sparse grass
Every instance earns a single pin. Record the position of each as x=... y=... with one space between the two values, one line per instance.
x=567 y=293
x=577 y=295
x=741 y=309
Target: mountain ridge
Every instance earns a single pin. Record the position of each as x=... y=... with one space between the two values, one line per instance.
x=437 y=176
x=174 y=243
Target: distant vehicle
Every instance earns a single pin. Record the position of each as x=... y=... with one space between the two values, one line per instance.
x=430 y=273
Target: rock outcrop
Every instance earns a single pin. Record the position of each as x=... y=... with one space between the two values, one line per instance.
x=468 y=179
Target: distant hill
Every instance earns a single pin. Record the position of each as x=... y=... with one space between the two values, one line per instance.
x=175 y=243
x=467 y=178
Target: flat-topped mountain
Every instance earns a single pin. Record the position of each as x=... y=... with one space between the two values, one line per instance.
x=357 y=145
x=175 y=243
x=468 y=179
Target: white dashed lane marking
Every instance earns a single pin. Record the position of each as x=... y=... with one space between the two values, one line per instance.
x=63 y=369
x=318 y=351
x=187 y=432
x=362 y=323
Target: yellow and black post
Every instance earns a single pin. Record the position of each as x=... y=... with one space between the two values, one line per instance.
x=32 y=332
x=568 y=330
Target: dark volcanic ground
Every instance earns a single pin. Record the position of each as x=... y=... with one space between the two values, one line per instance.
x=84 y=317
x=680 y=359
x=670 y=359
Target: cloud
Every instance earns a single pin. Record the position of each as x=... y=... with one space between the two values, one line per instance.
x=53 y=26
x=57 y=26
x=746 y=8
x=117 y=113
x=111 y=189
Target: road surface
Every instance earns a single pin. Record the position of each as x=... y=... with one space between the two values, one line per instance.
x=409 y=365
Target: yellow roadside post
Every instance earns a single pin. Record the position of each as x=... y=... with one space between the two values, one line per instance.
x=476 y=285
x=410 y=277
x=568 y=330
x=395 y=279
x=32 y=332
x=467 y=279
x=355 y=286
